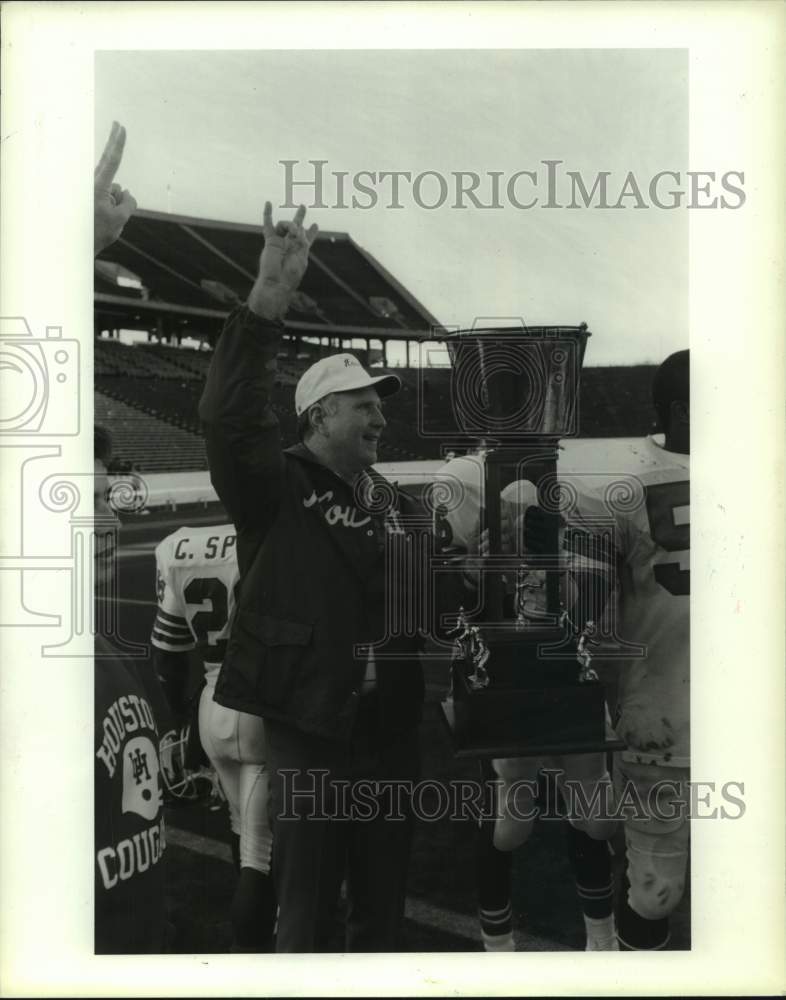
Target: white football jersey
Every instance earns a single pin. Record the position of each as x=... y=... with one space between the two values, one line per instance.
x=197 y=575
x=652 y=527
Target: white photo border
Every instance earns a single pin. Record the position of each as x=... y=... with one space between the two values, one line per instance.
x=736 y=57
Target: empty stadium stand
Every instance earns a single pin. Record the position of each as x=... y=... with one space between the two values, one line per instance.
x=188 y=362
x=148 y=414
x=172 y=400
x=616 y=402
x=148 y=395
x=150 y=444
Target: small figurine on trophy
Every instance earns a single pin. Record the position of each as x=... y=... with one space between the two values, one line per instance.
x=471 y=649
x=584 y=655
x=479 y=653
x=585 y=639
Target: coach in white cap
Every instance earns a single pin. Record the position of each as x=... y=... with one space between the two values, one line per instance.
x=338 y=407
x=314 y=532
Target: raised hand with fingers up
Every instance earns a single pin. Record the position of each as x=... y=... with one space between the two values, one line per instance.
x=282 y=263
x=113 y=206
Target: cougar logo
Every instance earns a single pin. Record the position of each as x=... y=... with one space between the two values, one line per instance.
x=141 y=786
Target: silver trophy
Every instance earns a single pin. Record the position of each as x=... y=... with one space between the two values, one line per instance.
x=523 y=685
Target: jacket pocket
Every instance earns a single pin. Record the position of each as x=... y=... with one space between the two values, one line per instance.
x=268 y=653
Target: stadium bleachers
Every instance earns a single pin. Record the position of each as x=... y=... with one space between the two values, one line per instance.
x=113 y=357
x=150 y=393
x=191 y=363
x=616 y=402
x=150 y=444
x=147 y=393
x=172 y=400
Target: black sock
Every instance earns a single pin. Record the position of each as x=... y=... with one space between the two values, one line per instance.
x=234 y=844
x=634 y=932
x=591 y=866
x=492 y=875
x=253 y=911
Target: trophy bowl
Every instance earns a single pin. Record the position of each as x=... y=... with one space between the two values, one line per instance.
x=511 y=383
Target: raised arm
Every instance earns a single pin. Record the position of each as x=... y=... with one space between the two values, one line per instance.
x=282 y=263
x=241 y=429
x=113 y=206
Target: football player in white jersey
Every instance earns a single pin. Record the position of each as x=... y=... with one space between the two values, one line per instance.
x=652 y=716
x=197 y=576
x=651 y=576
x=586 y=835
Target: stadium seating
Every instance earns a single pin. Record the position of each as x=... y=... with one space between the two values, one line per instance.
x=188 y=362
x=616 y=402
x=149 y=396
x=172 y=400
x=150 y=444
x=113 y=357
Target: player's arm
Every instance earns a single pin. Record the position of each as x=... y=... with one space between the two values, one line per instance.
x=241 y=429
x=171 y=636
x=172 y=670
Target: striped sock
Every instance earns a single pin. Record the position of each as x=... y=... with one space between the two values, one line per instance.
x=596 y=902
x=496 y=928
x=591 y=864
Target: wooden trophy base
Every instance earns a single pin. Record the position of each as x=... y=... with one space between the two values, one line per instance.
x=502 y=721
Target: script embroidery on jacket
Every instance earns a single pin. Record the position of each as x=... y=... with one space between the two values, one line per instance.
x=347 y=515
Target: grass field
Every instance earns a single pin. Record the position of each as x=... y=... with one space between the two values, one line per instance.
x=441 y=892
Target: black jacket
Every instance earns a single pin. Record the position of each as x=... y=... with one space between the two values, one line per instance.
x=312 y=559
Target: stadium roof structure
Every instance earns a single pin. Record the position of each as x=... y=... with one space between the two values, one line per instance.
x=185 y=274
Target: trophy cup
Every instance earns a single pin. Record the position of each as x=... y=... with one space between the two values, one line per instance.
x=521 y=680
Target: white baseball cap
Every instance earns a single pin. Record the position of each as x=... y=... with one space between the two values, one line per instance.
x=339 y=373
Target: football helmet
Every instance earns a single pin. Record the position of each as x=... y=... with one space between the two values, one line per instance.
x=181 y=781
